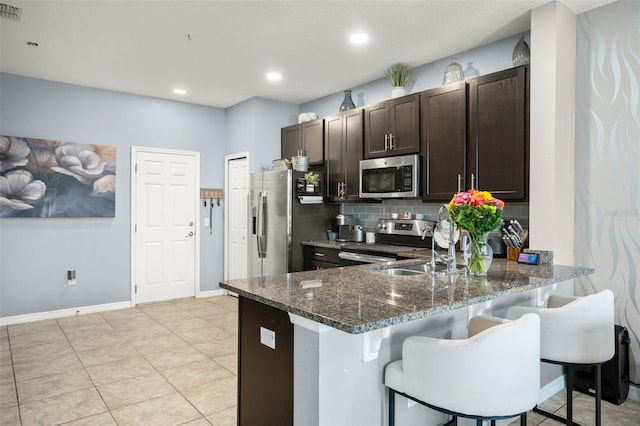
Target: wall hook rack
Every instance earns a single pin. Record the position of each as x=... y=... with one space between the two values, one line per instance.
x=211 y=193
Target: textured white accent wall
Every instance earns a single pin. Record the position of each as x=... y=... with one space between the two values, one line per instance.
x=607 y=210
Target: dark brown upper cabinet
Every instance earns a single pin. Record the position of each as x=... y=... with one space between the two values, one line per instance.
x=443 y=128
x=342 y=152
x=498 y=134
x=392 y=127
x=305 y=138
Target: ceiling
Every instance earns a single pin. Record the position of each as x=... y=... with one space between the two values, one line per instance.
x=220 y=51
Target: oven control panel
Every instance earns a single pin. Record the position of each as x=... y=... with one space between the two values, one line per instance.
x=407 y=227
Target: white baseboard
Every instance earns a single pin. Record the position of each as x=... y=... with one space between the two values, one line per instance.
x=551 y=388
x=211 y=293
x=38 y=316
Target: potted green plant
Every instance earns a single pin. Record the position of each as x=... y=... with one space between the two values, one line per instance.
x=312 y=181
x=399 y=76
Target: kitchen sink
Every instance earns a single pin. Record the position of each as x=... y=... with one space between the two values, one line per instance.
x=418 y=269
x=399 y=271
x=421 y=267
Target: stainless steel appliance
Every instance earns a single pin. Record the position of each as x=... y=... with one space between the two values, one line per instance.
x=390 y=177
x=357 y=234
x=281 y=218
x=394 y=236
x=344 y=226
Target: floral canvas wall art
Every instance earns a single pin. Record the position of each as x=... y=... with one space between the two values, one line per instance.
x=47 y=178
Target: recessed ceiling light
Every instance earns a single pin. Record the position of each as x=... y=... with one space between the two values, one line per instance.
x=274 y=76
x=358 y=38
x=179 y=91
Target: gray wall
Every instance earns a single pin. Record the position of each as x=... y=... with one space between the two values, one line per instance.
x=254 y=126
x=36 y=253
x=607 y=211
x=482 y=60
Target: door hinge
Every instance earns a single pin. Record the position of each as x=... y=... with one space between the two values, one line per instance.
x=136 y=289
x=135 y=227
x=136 y=168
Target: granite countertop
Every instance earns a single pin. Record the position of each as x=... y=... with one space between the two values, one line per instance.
x=358 y=299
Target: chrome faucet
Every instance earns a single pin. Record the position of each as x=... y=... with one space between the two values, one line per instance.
x=450 y=258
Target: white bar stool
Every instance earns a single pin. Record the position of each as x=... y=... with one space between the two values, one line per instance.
x=493 y=374
x=575 y=332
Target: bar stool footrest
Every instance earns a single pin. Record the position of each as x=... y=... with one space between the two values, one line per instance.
x=553 y=416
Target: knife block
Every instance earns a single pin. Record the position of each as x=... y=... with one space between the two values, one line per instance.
x=513 y=252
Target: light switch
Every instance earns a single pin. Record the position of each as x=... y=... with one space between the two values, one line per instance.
x=206 y=222
x=268 y=337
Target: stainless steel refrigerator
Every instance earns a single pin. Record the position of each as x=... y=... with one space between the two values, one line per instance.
x=281 y=220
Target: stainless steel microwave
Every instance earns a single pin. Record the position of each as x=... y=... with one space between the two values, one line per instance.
x=390 y=177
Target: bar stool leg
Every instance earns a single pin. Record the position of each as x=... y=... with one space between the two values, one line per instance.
x=392 y=407
x=523 y=419
x=569 y=395
x=598 y=395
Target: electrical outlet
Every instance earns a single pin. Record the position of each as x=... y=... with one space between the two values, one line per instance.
x=268 y=337
x=71 y=277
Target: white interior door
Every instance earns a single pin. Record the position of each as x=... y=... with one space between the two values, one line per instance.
x=165 y=221
x=237 y=217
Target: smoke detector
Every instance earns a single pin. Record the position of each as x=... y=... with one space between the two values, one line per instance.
x=10 y=12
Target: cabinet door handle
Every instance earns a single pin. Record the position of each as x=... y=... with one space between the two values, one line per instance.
x=459 y=182
x=319 y=254
x=391 y=144
x=386 y=142
x=341 y=189
x=474 y=181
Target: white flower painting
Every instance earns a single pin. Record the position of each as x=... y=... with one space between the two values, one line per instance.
x=45 y=178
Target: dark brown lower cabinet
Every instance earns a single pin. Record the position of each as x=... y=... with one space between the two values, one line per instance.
x=265 y=375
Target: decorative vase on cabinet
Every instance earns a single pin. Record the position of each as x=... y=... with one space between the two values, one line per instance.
x=396 y=92
x=521 y=53
x=453 y=73
x=347 y=103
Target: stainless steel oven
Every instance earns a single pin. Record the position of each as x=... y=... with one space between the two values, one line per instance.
x=390 y=177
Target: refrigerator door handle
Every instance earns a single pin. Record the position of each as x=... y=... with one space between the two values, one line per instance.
x=262 y=237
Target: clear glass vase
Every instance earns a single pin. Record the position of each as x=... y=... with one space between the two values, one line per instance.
x=453 y=73
x=478 y=255
x=347 y=103
x=521 y=53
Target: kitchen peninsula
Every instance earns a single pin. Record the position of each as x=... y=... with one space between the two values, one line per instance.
x=313 y=344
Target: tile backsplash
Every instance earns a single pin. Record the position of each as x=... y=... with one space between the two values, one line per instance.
x=368 y=214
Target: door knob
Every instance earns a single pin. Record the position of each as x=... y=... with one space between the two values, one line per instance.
x=190 y=234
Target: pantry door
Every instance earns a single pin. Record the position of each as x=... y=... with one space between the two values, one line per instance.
x=237 y=216
x=165 y=224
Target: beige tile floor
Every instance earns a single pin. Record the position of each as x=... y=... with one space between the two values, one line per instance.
x=626 y=414
x=170 y=363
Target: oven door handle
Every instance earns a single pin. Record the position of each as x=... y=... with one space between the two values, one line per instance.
x=363 y=258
